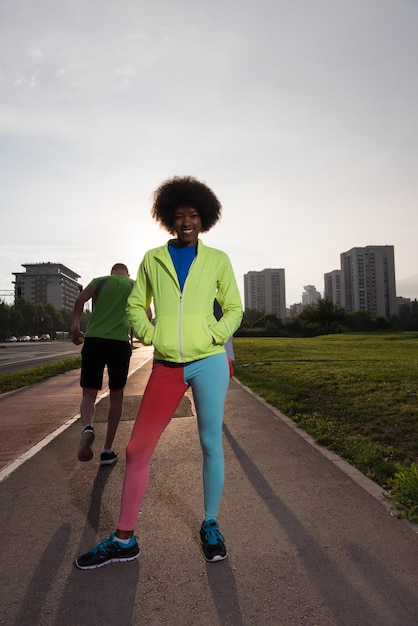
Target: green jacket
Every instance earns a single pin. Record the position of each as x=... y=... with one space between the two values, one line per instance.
x=185 y=328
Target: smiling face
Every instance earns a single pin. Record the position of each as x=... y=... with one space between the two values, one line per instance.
x=187 y=225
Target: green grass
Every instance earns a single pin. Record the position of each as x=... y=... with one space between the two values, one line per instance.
x=17 y=380
x=356 y=394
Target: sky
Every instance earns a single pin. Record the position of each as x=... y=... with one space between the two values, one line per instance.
x=300 y=115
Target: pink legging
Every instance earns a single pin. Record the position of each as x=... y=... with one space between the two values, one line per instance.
x=209 y=380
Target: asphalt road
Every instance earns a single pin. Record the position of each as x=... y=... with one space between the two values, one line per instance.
x=18 y=356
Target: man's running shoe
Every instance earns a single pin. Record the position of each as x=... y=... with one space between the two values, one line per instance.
x=85 y=453
x=108 y=458
x=213 y=543
x=108 y=551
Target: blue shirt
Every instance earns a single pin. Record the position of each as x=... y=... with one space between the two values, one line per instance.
x=182 y=259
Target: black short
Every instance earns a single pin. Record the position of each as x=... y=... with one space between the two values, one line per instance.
x=98 y=353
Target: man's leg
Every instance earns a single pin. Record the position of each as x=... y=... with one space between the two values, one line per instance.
x=118 y=355
x=87 y=406
x=85 y=453
x=114 y=415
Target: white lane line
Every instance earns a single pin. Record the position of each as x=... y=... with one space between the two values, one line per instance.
x=9 y=469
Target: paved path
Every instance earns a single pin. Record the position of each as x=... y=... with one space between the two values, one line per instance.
x=28 y=416
x=308 y=543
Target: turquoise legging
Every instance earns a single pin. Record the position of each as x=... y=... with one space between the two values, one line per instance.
x=209 y=380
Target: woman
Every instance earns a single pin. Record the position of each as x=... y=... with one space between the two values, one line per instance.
x=182 y=278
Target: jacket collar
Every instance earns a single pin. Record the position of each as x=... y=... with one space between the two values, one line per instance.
x=163 y=253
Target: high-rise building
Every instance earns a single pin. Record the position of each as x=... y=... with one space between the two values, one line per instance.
x=310 y=295
x=368 y=280
x=49 y=283
x=332 y=287
x=265 y=291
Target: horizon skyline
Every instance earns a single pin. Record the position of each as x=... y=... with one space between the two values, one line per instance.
x=405 y=284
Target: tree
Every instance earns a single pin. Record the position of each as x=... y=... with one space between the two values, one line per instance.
x=25 y=308
x=408 y=316
x=16 y=322
x=55 y=320
x=27 y=318
x=251 y=317
x=270 y=322
x=324 y=313
x=5 y=328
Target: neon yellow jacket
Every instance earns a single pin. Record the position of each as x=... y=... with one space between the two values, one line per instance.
x=185 y=328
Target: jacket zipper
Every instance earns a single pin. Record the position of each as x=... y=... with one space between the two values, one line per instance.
x=181 y=312
x=179 y=328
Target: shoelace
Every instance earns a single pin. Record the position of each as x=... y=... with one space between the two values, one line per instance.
x=213 y=536
x=102 y=544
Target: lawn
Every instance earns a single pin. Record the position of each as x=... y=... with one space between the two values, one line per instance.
x=22 y=378
x=354 y=393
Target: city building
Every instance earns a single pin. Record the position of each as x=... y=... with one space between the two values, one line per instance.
x=295 y=309
x=368 y=280
x=332 y=287
x=310 y=295
x=49 y=283
x=400 y=302
x=265 y=291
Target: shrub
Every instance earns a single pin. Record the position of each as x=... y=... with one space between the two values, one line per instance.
x=404 y=486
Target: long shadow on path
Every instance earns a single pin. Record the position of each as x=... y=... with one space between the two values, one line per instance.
x=101 y=596
x=340 y=596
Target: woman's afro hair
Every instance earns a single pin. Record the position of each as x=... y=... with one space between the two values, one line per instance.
x=185 y=191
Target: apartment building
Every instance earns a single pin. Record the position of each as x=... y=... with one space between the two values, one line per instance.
x=310 y=295
x=368 y=280
x=49 y=283
x=265 y=291
x=332 y=287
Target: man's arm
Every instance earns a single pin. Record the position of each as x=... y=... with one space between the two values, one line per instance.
x=76 y=335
